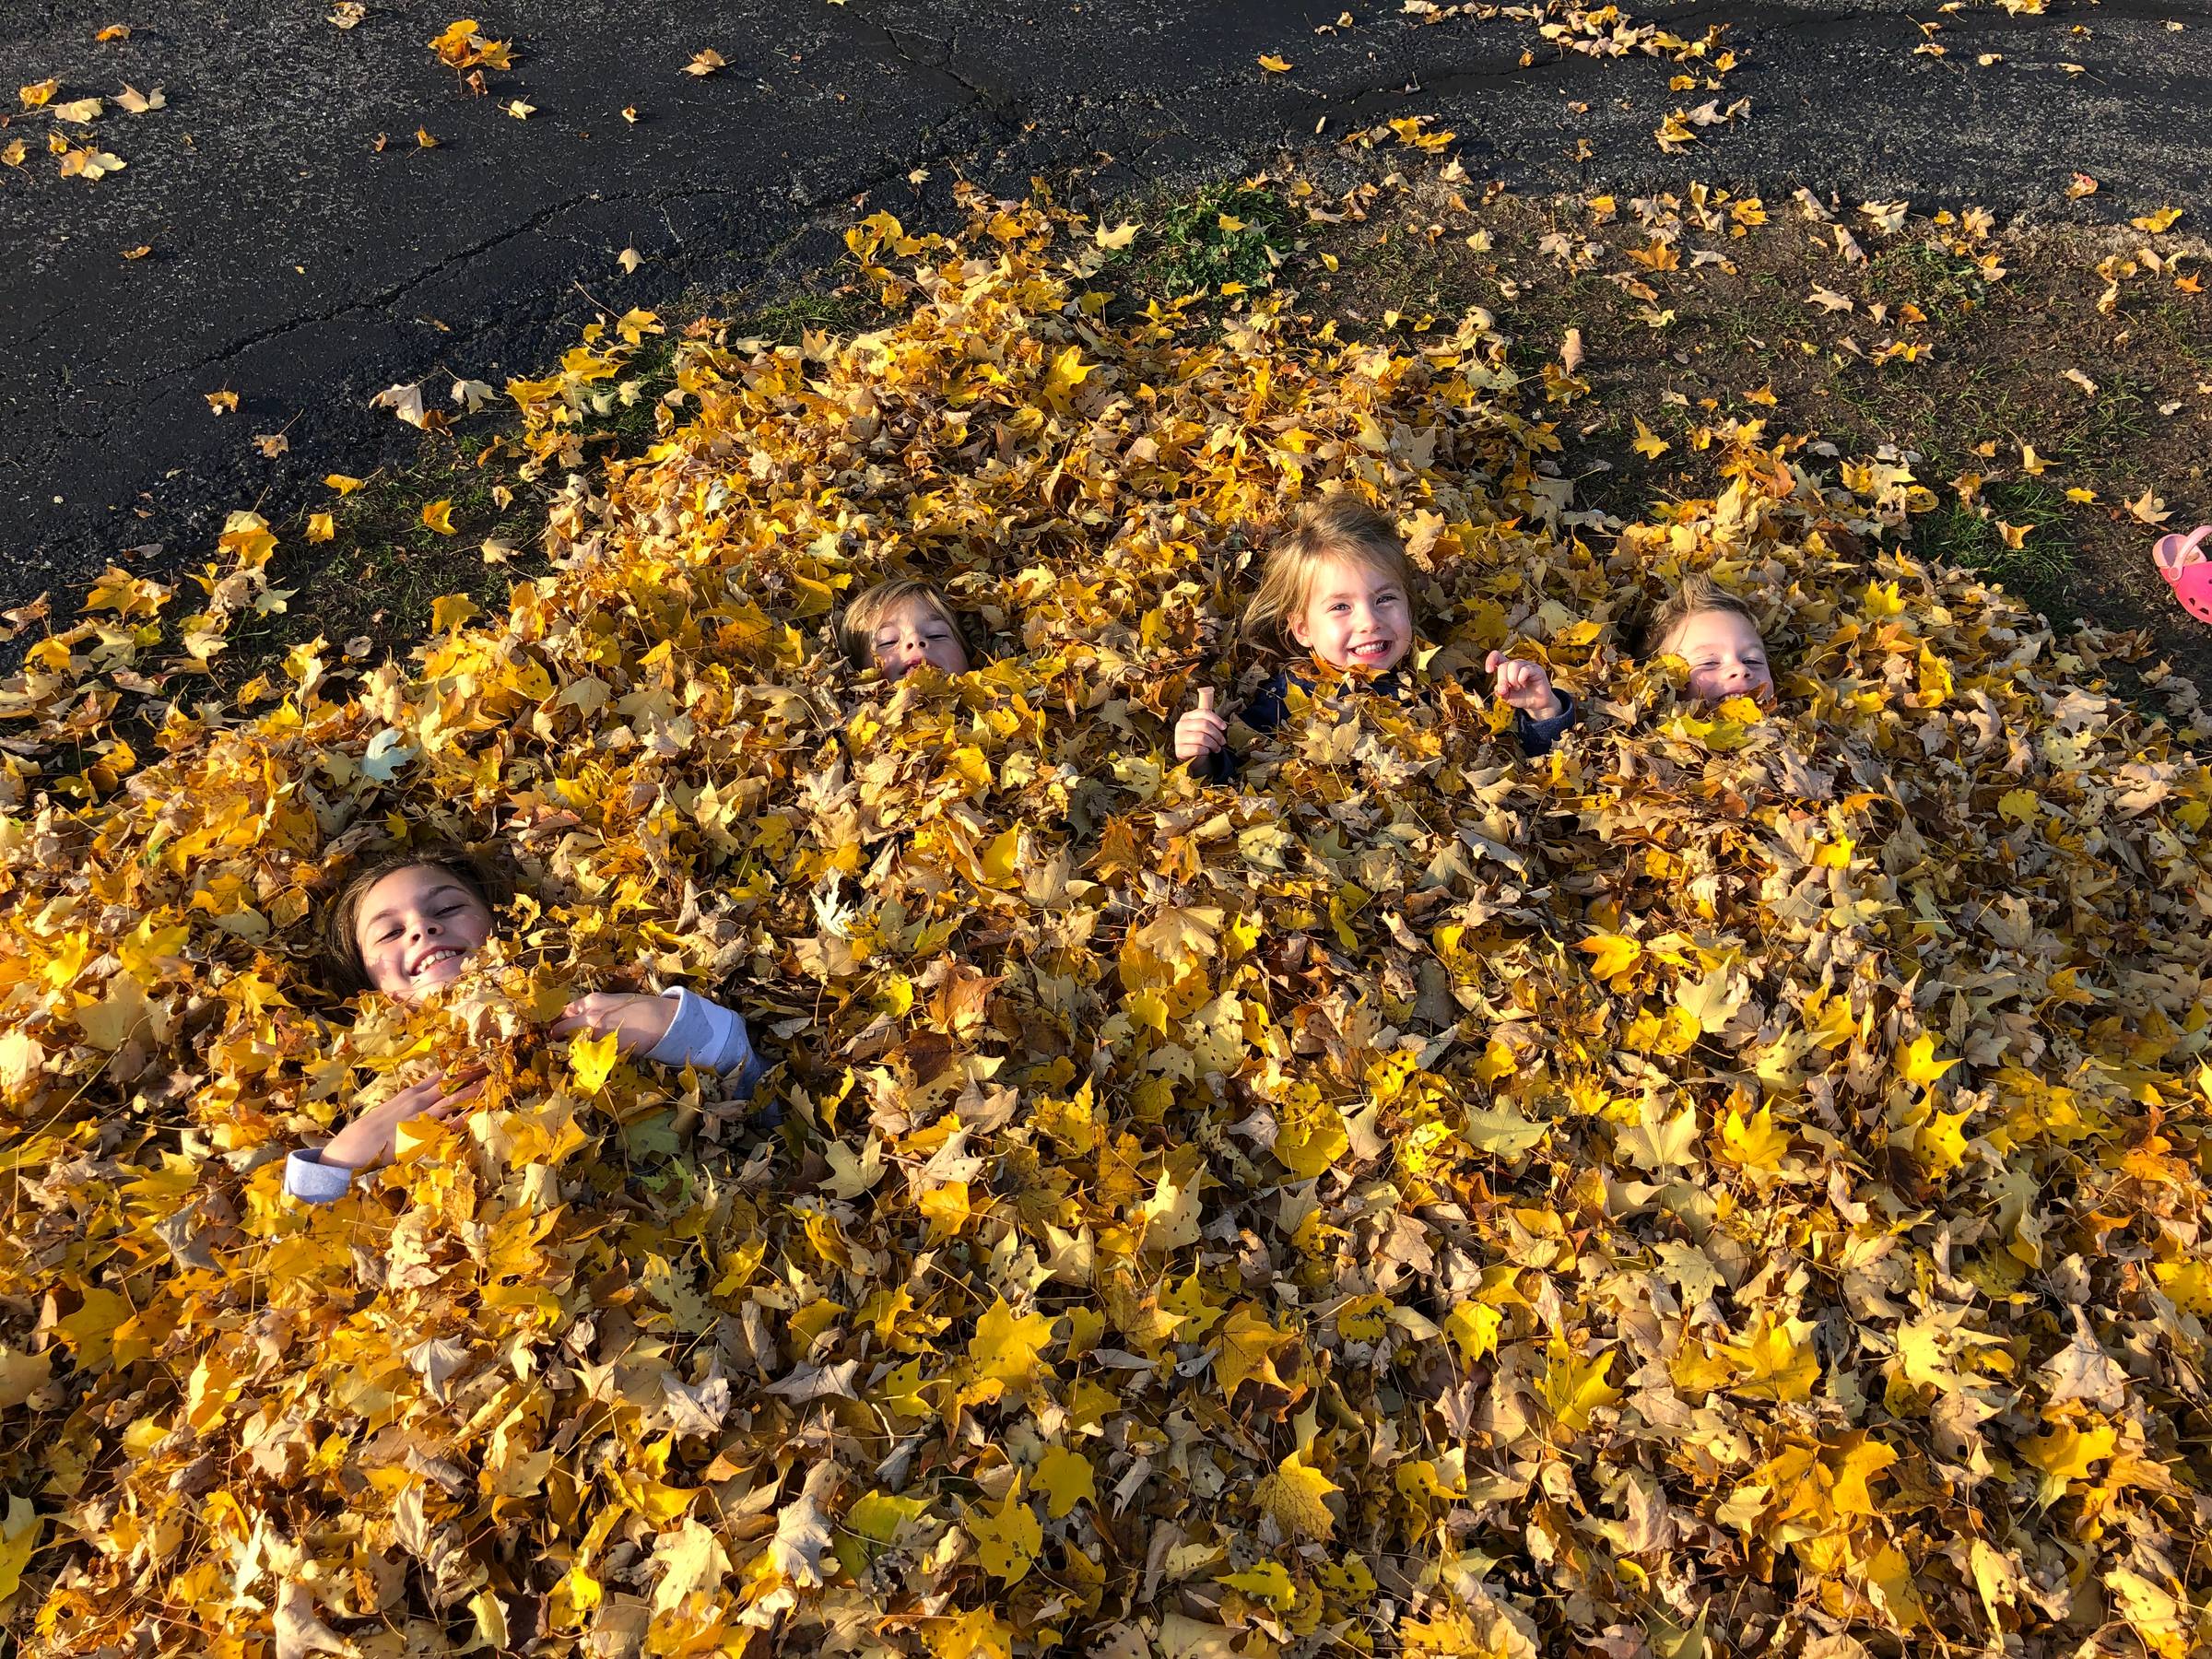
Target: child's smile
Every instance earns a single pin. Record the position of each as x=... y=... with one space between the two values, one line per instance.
x=1356 y=616
x=1726 y=656
x=417 y=928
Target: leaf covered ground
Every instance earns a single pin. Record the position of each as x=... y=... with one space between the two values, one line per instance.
x=1736 y=1185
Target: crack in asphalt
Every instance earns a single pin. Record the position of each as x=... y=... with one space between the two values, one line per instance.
x=397 y=290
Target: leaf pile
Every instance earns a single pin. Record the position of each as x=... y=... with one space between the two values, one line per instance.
x=1735 y=1185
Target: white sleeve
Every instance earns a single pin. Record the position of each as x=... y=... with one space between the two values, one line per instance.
x=707 y=1034
x=308 y=1178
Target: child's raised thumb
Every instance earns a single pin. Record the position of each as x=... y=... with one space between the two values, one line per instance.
x=1205 y=700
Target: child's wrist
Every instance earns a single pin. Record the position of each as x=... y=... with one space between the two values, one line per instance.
x=350 y=1148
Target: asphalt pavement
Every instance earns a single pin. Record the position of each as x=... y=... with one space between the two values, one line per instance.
x=308 y=251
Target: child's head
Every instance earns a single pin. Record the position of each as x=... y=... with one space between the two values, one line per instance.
x=1717 y=635
x=407 y=921
x=897 y=626
x=1338 y=585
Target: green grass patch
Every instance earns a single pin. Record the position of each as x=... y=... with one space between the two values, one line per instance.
x=1227 y=232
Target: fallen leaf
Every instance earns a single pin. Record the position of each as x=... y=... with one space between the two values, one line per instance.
x=2147 y=509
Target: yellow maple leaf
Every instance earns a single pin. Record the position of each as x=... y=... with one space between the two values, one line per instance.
x=1611 y=954
x=2066 y=1453
x=1775 y=1361
x=439 y=516
x=1940 y=1141
x=1248 y=1342
x=1917 y=1062
x=1573 y=1387
x=1473 y=1327
x=976 y=1634
x=1068 y=371
x=1005 y=1346
x=591 y=1059
x=1754 y=1143
x=1292 y=1497
x=1267 y=1581
x=1066 y=1478
x=2158 y=223
x=1007 y=1540
x=1274 y=65
x=18 y=1540
x=1310 y=1135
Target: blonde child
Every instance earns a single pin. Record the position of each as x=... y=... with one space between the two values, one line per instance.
x=1337 y=592
x=1717 y=634
x=896 y=627
x=406 y=924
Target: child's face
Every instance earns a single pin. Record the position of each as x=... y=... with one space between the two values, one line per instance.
x=416 y=928
x=1356 y=616
x=912 y=633
x=1726 y=656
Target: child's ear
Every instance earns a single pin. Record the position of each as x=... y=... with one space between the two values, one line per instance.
x=1300 y=634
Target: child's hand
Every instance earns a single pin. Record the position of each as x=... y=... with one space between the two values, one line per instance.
x=369 y=1138
x=638 y=1020
x=1201 y=731
x=1523 y=685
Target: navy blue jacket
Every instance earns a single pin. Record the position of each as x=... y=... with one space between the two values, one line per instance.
x=1272 y=707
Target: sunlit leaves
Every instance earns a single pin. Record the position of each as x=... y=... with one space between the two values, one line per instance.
x=1742 y=1174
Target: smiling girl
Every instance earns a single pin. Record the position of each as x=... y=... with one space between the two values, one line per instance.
x=1717 y=635
x=405 y=924
x=1337 y=592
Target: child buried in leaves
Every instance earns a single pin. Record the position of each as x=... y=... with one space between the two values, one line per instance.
x=405 y=925
x=1336 y=598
